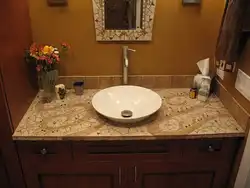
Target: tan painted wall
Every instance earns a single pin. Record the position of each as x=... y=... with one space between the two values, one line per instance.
x=181 y=36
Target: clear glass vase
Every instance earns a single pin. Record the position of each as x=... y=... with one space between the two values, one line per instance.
x=48 y=81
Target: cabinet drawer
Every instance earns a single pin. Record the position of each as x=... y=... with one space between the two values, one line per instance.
x=159 y=150
x=127 y=150
x=209 y=149
x=45 y=151
x=100 y=150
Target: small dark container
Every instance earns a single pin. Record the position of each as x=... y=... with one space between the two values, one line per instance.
x=78 y=86
x=193 y=93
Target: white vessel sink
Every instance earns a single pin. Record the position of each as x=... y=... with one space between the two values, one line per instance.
x=126 y=104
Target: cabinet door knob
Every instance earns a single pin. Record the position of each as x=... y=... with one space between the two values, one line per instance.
x=44 y=151
x=210 y=148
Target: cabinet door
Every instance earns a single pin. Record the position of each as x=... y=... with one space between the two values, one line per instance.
x=52 y=165
x=91 y=175
x=163 y=175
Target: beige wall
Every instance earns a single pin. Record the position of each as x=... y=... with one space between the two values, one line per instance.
x=181 y=36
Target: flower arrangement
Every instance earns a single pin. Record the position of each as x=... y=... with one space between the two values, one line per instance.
x=45 y=57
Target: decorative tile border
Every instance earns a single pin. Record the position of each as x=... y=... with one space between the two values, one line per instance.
x=237 y=111
x=139 y=34
x=150 y=81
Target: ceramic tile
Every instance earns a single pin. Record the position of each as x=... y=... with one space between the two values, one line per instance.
x=224 y=95
x=162 y=82
x=75 y=118
x=116 y=80
x=181 y=81
x=135 y=80
x=239 y=114
x=105 y=81
x=91 y=82
x=68 y=81
x=148 y=81
x=237 y=111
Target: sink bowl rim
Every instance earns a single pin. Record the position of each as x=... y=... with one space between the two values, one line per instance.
x=127 y=119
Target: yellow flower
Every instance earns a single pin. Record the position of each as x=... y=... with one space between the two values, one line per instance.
x=48 y=50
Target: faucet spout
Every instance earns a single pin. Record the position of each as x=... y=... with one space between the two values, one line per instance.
x=125 y=63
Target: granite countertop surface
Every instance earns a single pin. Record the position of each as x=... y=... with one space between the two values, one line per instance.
x=75 y=119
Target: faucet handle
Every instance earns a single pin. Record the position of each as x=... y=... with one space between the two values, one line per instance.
x=126 y=48
x=132 y=50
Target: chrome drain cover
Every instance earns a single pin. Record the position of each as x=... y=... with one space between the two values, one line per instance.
x=126 y=113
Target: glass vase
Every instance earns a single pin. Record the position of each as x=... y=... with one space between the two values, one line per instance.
x=48 y=82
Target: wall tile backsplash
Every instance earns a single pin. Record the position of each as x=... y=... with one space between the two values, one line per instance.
x=150 y=81
x=237 y=111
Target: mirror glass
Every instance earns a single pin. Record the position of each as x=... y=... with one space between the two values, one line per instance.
x=124 y=20
x=123 y=14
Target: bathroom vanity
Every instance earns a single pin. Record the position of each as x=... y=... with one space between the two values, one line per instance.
x=187 y=144
x=195 y=163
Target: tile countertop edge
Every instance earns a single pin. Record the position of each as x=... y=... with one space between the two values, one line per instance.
x=127 y=138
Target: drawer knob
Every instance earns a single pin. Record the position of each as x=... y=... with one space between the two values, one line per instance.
x=44 y=151
x=210 y=148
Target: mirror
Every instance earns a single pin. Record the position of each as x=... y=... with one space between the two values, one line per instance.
x=124 y=20
x=122 y=14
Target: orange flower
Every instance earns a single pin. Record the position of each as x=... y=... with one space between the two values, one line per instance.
x=45 y=56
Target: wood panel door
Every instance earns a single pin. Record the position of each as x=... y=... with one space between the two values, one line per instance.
x=165 y=175
x=88 y=175
x=10 y=169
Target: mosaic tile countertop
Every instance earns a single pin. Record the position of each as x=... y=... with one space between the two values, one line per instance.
x=75 y=119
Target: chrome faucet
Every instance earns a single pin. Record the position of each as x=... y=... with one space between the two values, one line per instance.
x=125 y=50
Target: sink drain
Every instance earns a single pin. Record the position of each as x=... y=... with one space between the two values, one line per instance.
x=126 y=113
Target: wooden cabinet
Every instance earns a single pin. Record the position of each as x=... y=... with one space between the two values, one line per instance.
x=162 y=175
x=134 y=164
x=181 y=175
x=52 y=165
x=77 y=181
x=4 y=181
x=88 y=175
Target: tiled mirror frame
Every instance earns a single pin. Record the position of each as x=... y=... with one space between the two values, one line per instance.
x=140 y=34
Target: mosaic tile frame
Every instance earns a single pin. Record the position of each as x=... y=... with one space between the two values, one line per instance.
x=141 y=34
